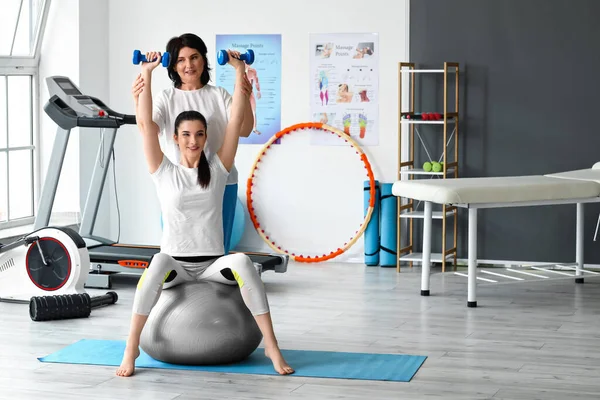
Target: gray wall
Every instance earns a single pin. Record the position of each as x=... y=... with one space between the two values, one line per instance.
x=530 y=104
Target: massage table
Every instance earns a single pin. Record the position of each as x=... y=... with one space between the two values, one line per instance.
x=572 y=187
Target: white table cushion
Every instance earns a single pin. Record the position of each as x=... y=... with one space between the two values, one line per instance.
x=510 y=189
x=592 y=174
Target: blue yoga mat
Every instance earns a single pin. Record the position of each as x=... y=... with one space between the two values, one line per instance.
x=389 y=224
x=306 y=363
x=371 y=235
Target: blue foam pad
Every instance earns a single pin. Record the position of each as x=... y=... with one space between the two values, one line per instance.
x=306 y=363
x=371 y=235
x=388 y=226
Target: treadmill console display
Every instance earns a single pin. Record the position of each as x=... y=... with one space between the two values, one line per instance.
x=67 y=86
x=95 y=109
x=82 y=105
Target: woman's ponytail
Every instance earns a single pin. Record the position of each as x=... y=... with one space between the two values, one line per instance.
x=203 y=171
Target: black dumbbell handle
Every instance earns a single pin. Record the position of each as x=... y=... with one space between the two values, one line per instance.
x=104 y=300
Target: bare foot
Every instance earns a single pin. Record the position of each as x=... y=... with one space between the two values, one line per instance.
x=128 y=364
x=280 y=365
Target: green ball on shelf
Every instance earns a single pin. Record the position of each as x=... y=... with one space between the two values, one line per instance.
x=427 y=166
x=437 y=167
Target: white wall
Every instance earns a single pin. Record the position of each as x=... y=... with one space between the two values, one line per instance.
x=60 y=56
x=318 y=189
x=93 y=81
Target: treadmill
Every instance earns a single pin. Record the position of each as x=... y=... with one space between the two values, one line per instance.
x=68 y=107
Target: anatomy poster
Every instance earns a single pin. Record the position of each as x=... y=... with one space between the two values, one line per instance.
x=264 y=74
x=344 y=85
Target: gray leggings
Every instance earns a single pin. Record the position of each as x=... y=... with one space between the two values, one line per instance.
x=156 y=278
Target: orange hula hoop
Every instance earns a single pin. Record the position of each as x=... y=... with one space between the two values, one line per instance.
x=249 y=202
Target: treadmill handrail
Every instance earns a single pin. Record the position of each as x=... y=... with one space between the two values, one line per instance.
x=67 y=118
x=87 y=122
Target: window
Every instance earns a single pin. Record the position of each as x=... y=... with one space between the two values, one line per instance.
x=21 y=28
x=16 y=148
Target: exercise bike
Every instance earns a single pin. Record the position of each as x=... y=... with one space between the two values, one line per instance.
x=48 y=261
x=47 y=268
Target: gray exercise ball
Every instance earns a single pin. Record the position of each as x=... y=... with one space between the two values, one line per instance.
x=200 y=323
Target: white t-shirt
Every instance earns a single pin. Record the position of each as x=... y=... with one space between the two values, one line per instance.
x=213 y=102
x=192 y=215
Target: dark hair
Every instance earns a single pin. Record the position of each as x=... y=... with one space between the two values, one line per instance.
x=175 y=45
x=203 y=168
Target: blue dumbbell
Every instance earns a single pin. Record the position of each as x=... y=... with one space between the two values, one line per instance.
x=247 y=57
x=138 y=57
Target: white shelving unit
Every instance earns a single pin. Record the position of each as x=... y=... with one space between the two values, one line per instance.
x=408 y=208
x=421 y=171
x=427 y=122
x=435 y=257
x=421 y=214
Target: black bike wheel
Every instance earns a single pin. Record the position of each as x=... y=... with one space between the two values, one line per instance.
x=57 y=270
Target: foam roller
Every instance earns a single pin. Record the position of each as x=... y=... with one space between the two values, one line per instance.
x=372 y=230
x=389 y=224
x=67 y=306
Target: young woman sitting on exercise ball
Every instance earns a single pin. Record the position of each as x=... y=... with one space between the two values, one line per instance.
x=190 y=194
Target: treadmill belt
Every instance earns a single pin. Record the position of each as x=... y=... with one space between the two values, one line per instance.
x=107 y=253
x=114 y=254
x=266 y=260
